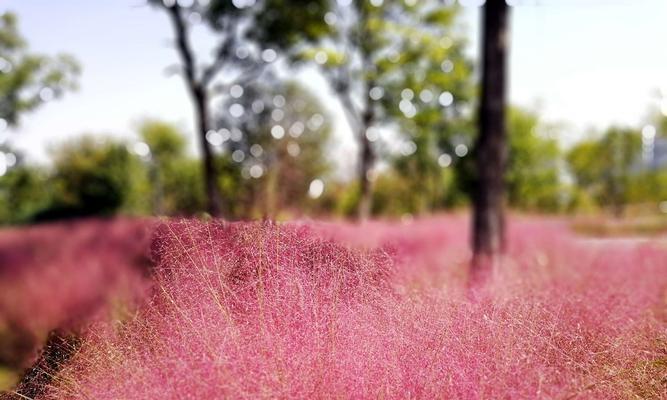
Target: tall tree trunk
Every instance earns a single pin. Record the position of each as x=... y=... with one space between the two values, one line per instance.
x=197 y=89
x=366 y=160
x=367 y=154
x=213 y=198
x=491 y=149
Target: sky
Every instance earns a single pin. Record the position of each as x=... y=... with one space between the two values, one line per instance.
x=583 y=64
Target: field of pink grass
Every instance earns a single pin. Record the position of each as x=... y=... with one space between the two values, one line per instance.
x=58 y=276
x=381 y=310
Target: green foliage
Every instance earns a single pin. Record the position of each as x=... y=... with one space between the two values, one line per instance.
x=605 y=168
x=345 y=197
x=29 y=80
x=533 y=181
x=435 y=188
x=410 y=52
x=91 y=176
x=183 y=190
x=233 y=186
x=176 y=184
x=283 y=145
x=164 y=140
x=406 y=61
x=22 y=194
x=281 y=23
x=648 y=187
x=397 y=195
x=277 y=24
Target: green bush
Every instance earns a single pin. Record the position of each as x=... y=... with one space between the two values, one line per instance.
x=23 y=193
x=91 y=176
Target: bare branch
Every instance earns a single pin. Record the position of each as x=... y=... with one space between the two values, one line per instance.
x=224 y=51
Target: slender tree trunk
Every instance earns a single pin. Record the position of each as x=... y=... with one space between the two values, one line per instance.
x=367 y=154
x=197 y=89
x=366 y=160
x=491 y=149
x=213 y=198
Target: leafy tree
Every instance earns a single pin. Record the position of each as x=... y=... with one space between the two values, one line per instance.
x=605 y=167
x=164 y=140
x=183 y=187
x=165 y=146
x=23 y=193
x=242 y=53
x=28 y=80
x=395 y=64
x=279 y=146
x=648 y=187
x=91 y=176
x=396 y=194
x=436 y=187
x=533 y=181
x=176 y=183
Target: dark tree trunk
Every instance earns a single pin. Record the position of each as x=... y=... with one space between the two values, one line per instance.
x=367 y=117
x=491 y=149
x=197 y=89
x=360 y=125
x=213 y=198
x=366 y=160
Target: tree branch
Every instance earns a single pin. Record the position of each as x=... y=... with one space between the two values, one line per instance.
x=221 y=55
x=183 y=45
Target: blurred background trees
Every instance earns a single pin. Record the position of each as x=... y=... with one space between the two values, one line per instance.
x=534 y=164
x=90 y=176
x=267 y=142
x=394 y=66
x=280 y=147
x=28 y=80
x=176 y=183
x=245 y=32
x=605 y=168
x=22 y=194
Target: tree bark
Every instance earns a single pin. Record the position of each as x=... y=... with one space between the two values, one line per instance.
x=213 y=198
x=197 y=89
x=360 y=125
x=366 y=160
x=491 y=149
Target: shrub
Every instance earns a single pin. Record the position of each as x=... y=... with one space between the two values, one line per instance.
x=91 y=177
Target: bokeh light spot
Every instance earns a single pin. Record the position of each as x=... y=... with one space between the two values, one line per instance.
x=445 y=160
x=316 y=188
x=277 y=131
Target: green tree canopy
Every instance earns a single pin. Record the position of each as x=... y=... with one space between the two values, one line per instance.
x=28 y=80
x=533 y=170
x=397 y=64
x=605 y=167
x=91 y=176
x=279 y=145
x=176 y=181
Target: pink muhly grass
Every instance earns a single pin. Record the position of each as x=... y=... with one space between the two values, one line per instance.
x=59 y=275
x=259 y=310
